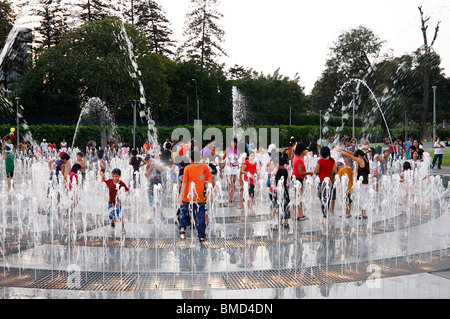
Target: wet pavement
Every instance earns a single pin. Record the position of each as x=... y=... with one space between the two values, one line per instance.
x=395 y=253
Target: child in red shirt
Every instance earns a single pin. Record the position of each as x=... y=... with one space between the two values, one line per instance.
x=250 y=173
x=114 y=205
x=325 y=168
x=73 y=180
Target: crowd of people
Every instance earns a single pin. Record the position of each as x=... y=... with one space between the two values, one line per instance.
x=239 y=165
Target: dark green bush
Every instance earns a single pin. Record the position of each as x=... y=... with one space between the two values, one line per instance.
x=124 y=134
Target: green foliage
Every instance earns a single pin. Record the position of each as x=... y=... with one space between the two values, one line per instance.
x=93 y=61
x=6 y=19
x=124 y=134
x=204 y=36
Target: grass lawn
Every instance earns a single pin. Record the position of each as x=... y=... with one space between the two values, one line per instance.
x=445 y=158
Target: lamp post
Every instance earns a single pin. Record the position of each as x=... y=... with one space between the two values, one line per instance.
x=187 y=110
x=196 y=96
x=353 y=119
x=17 y=119
x=290 y=115
x=434 y=113
x=320 y=121
x=134 y=123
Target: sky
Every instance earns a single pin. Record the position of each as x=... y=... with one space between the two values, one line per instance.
x=295 y=35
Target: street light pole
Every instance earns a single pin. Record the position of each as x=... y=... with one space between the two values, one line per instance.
x=353 y=119
x=187 y=110
x=290 y=115
x=196 y=96
x=134 y=124
x=17 y=119
x=320 y=118
x=434 y=113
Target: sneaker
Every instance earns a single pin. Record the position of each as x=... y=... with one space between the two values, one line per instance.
x=113 y=224
x=286 y=226
x=182 y=234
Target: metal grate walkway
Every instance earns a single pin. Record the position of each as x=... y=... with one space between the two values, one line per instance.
x=235 y=280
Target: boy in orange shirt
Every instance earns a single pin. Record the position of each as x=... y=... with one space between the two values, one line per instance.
x=198 y=174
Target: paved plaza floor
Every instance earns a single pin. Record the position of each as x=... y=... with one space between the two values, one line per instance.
x=392 y=255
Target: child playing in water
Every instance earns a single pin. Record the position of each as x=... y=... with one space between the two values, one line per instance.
x=153 y=173
x=363 y=170
x=325 y=168
x=282 y=209
x=82 y=164
x=231 y=169
x=114 y=205
x=341 y=171
x=137 y=163
x=72 y=180
x=198 y=174
x=250 y=173
x=100 y=161
x=300 y=173
x=384 y=164
x=8 y=156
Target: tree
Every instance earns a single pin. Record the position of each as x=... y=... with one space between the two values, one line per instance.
x=271 y=98
x=93 y=10
x=7 y=18
x=213 y=91
x=427 y=50
x=353 y=56
x=92 y=61
x=152 y=21
x=53 y=24
x=204 y=36
x=237 y=72
x=15 y=62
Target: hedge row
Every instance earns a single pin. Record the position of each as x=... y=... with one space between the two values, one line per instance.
x=125 y=133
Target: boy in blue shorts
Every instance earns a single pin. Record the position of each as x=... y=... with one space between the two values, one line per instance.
x=153 y=174
x=114 y=206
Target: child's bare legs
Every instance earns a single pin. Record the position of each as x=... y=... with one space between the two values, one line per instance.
x=241 y=191
x=10 y=183
x=231 y=186
x=250 y=205
x=298 y=210
x=272 y=219
x=348 y=209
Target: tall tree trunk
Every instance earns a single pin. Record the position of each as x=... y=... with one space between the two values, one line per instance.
x=202 y=63
x=102 y=116
x=425 y=97
x=426 y=72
